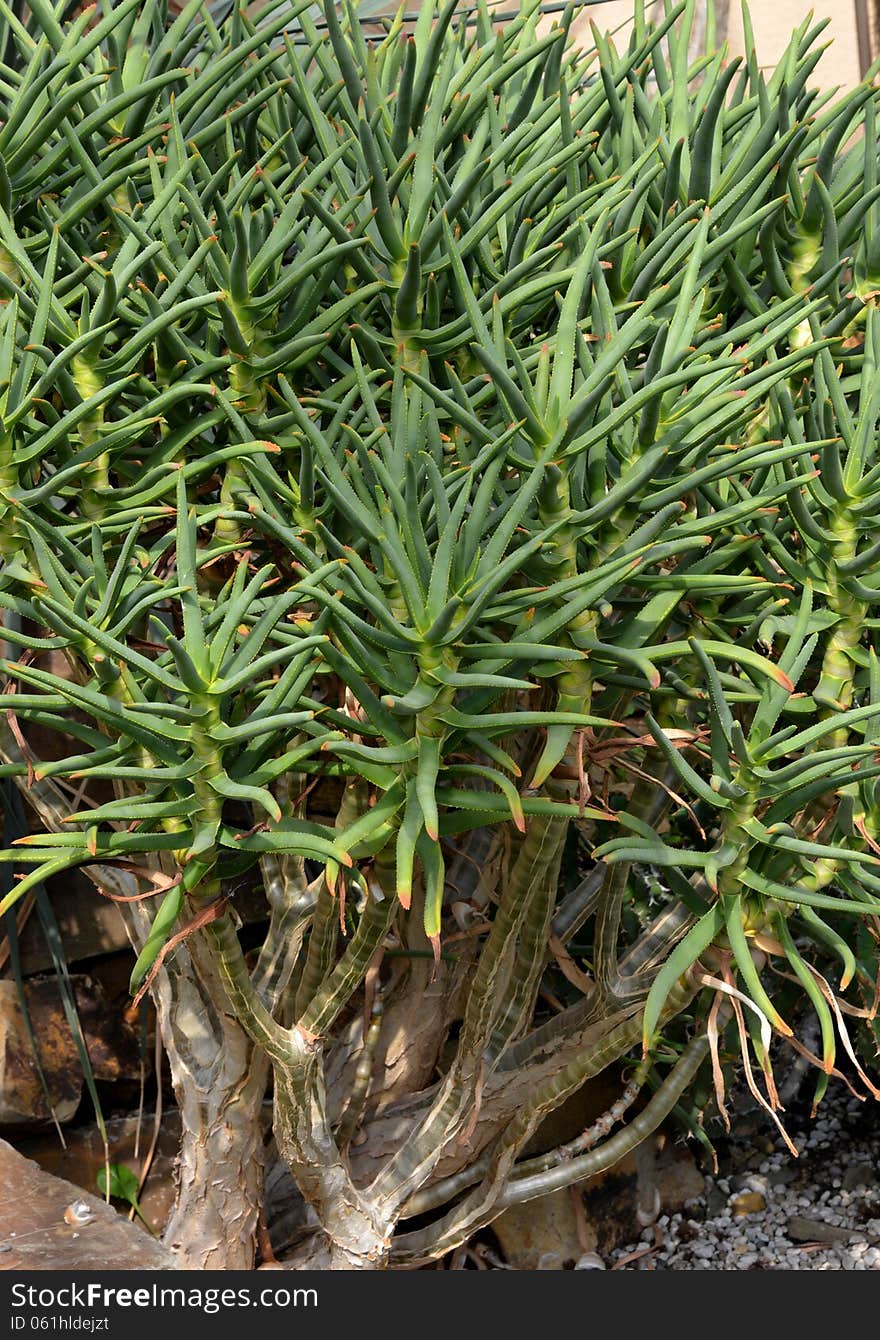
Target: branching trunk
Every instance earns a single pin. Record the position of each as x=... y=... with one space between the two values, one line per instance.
x=219 y=1081
x=219 y=1071
x=355 y=1235
x=219 y=1078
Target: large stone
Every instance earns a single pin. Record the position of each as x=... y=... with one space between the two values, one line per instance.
x=815 y=1230
x=676 y=1173
x=111 y=1042
x=543 y=1234
x=88 y=923
x=49 y=1224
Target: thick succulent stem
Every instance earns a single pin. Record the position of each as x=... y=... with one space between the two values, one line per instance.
x=355 y=1234
x=219 y=1078
x=612 y=1038
x=220 y=1081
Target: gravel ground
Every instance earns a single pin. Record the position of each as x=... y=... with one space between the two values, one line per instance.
x=766 y=1210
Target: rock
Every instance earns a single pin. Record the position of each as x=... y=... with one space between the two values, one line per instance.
x=716 y=1201
x=589 y=1261
x=677 y=1177
x=22 y=1100
x=783 y=1176
x=83 y=1158
x=112 y=1046
x=744 y=1181
x=35 y=1235
x=89 y=925
x=814 y=1230
x=746 y=1203
x=860 y=1174
x=542 y=1234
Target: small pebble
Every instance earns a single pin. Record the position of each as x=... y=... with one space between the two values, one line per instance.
x=79 y=1212
x=750 y=1202
x=589 y=1261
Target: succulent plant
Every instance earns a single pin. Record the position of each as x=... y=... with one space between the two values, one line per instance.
x=421 y=457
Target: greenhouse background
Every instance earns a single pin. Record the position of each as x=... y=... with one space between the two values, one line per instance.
x=853 y=27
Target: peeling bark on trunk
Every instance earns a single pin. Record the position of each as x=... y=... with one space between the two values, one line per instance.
x=353 y=1237
x=503 y=1096
x=219 y=1080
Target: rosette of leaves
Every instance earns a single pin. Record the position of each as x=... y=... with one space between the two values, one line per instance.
x=416 y=452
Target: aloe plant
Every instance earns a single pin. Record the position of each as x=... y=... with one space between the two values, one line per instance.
x=437 y=480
